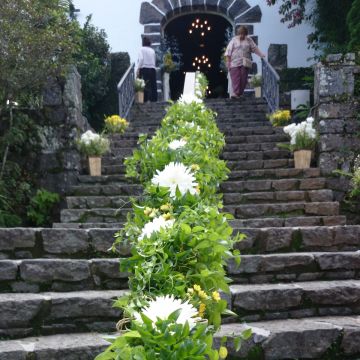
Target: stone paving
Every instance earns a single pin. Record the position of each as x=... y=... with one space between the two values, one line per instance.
x=298 y=285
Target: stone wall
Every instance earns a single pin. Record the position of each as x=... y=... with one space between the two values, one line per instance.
x=60 y=124
x=338 y=113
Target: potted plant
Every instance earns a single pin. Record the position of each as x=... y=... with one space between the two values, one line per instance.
x=169 y=66
x=256 y=82
x=139 y=90
x=115 y=124
x=279 y=117
x=93 y=146
x=302 y=142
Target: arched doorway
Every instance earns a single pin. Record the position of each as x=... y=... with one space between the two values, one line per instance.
x=201 y=39
x=158 y=15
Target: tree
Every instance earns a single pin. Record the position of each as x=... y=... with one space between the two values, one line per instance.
x=94 y=65
x=353 y=23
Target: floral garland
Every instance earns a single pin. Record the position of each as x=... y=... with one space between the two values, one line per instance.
x=180 y=242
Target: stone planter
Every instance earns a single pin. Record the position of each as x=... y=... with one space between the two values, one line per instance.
x=139 y=97
x=95 y=165
x=302 y=159
x=166 y=86
x=257 y=91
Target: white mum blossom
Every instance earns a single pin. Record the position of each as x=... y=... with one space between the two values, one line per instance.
x=88 y=137
x=176 y=175
x=155 y=226
x=163 y=306
x=177 y=144
x=189 y=99
x=304 y=127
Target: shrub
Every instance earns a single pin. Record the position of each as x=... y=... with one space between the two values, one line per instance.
x=42 y=207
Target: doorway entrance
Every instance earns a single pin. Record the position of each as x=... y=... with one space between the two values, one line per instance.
x=201 y=39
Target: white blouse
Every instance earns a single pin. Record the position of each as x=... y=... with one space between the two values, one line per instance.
x=147 y=58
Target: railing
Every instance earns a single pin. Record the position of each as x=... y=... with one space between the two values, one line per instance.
x=126 y=91
x=270 y=86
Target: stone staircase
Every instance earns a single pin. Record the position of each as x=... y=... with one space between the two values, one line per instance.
x=298 y=285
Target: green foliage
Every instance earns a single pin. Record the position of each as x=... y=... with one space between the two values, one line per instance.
x=186 y=256
x=353 y=23
x=94 y=65
x=41 y=207
x=296 y=78
x=168 y=63
x=37 y=42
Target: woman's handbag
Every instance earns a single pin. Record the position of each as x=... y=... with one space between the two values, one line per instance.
x=247 y=63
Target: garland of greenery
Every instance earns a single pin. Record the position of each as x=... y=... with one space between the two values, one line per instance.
x=180 y=241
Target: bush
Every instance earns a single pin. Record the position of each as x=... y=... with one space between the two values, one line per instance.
x=41 y=209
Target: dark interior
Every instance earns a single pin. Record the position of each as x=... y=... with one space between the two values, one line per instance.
x=206 y=42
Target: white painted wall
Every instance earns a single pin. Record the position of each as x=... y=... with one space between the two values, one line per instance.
x=120 y=19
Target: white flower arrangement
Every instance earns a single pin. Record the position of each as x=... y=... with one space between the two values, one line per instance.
x=139 y=84
x=92 y=144
x=188 y=99
x=177 y=144
x=302 y=136
x=163 y=306
x=155 y=226
x=176 y=176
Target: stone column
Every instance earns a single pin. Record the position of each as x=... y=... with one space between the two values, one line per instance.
x=337 y=110
x=62 y=123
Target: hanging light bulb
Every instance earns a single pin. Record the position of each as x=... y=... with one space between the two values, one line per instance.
x=209 y=65
x=196 y=58
x=198 y=67
x=205 y=22
x=202 y=34
x=209 y=28
x=203 y=56
x=190 y=31
x=197 y=20
x=194 y=64
x=197 y=26
x=193 y=24
x=201 y=25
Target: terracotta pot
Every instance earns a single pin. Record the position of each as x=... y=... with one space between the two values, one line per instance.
x=257 y=92
x=95 y=165
x=302 y=159
x=139 y=97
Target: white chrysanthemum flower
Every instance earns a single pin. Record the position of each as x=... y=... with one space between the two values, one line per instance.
x=163 y=306
x=189 y=99
x=89 y=136
x=155 y=226
x=176 y=175
x=177 y=144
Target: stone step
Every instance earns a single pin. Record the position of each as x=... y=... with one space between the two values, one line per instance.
x=256 y=155
x=256 y=139
x=70 y=346
x=274 y=174
x=20 y=243
x=294 y=221
x=104 y=179
x=288 y=184
x=93 y=202
x=296 y=300
x=285 y=210
x=278 y=196
x=39 y=275
x=49 y=313
x=113 y=170
x=259 y=164
x=327 y=337
x=268 y=146
x=106 y=190
x=89 y=225
x=108 y=215
x=291 y=267
x=310 y=338
x=315 y=238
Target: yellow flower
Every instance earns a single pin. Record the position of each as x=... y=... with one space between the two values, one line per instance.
x=223 y=353
x=167 y=216
x=202 y=295
x=198 y=189
x=147 y=211
x=202 y=309
x=152 y=214
x=195 y=167
x=216 y=296
x=197 y=288
x=165 y=207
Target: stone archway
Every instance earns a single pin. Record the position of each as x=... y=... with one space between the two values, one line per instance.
x=155 y=15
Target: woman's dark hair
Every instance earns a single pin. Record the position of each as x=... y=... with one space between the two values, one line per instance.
x=146 y=41
x=243 y=31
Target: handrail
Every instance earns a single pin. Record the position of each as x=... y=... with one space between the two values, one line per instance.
x=126 y=91
x=270 y=86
